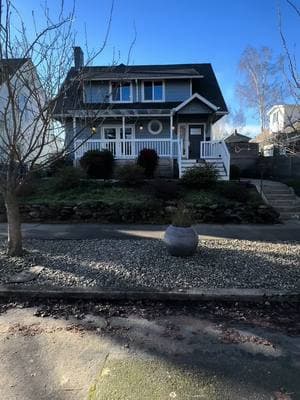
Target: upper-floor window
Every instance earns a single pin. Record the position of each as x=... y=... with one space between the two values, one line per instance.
x=275 y=117
x=120 y=92
x=153 y=91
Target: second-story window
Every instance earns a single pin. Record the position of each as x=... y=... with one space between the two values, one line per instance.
x=153 y=91
x=121 y=92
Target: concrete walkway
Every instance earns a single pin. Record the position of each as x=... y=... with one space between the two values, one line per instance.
x=134 y=358
x=290 y=231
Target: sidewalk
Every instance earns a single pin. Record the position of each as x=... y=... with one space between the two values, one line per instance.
x=289 y=231
x=133 y=358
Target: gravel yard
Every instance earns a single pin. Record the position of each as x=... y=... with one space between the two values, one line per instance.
x=146 y=264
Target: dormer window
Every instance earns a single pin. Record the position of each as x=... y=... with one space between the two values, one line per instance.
x=153 y=91
x=121 y=92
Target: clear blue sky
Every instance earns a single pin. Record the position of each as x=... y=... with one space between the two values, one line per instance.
x=183 y=31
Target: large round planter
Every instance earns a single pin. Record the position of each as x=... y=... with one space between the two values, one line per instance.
x=181 y=242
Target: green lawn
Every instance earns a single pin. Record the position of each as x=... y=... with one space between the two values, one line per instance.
x=90 y=191
x=86 y=192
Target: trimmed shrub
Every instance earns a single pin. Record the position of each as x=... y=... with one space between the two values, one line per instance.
x=148 y=159
x=200 y=177
x=235 y=172
x=130 y=174
x=166 y=190
x=98 y=164
x=66 y=178
x=233 y=191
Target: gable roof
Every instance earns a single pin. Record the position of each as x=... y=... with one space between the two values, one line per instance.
x=237 y=138
x=9 y=66
x=196 y=96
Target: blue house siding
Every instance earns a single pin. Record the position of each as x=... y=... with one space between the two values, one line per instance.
x=98 y=92
x=177 y=90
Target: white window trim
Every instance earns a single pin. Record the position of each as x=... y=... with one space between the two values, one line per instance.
x=186 y=140
x=118 y=128
x=120 y=101
x=163 y=91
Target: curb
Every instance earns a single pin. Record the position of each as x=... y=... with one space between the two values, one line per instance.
x=188 y=295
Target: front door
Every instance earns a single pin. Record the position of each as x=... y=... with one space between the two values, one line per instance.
x=196 y=135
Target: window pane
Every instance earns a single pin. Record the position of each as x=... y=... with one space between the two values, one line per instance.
x=158 y=91
x=128 y=133
x=115 y=87
x=148 y=91
x=110 y=133
x=125 y=92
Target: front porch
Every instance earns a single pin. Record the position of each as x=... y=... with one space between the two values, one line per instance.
x=181 y=134
x=214 y=151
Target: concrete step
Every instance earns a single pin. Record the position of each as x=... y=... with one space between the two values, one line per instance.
x=284 y=204
x=283 y=196
x=288 y=209
x=289 y=216
x=276 y=192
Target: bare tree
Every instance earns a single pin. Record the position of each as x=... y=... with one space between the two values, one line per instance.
x=291 y=69
x=33 y=70
x=288 y=138
x=261 y=86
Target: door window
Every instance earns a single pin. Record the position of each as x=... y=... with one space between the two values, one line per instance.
x=196 y=130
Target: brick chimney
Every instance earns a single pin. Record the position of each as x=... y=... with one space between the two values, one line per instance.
x=78 y=57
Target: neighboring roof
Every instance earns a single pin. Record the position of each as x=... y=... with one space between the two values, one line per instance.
x=237 y=138
x=204 y=83
x=9 y=66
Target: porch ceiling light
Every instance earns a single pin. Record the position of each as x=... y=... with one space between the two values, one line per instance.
x=141 y=127
x=94 y=129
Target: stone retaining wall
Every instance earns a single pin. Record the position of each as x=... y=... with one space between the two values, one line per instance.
x=155 y=212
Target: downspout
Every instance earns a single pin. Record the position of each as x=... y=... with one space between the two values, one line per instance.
x=74 y=136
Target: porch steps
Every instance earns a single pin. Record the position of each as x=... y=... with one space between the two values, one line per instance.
x=217 y=163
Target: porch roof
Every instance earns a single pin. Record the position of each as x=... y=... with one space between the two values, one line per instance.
x=117 y=112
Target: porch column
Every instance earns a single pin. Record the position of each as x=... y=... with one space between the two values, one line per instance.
x=123 y=148
x=171 y=134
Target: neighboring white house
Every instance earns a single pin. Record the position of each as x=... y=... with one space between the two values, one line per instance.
x=22 y=101
x=284 y=118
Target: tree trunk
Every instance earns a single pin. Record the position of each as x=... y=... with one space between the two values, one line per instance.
x=14 y=224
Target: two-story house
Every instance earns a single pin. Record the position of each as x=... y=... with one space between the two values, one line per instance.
x=125 y=108
x=284 y=118
x=22 y=101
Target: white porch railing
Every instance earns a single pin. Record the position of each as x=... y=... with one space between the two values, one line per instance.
x=216 y=149
x=128 y=148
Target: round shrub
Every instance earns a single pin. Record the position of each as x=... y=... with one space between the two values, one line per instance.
x=130 y=174
x=200 y=177
x=98 y=164
x=235 y=172
x=66 y=178
x=148 y=159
